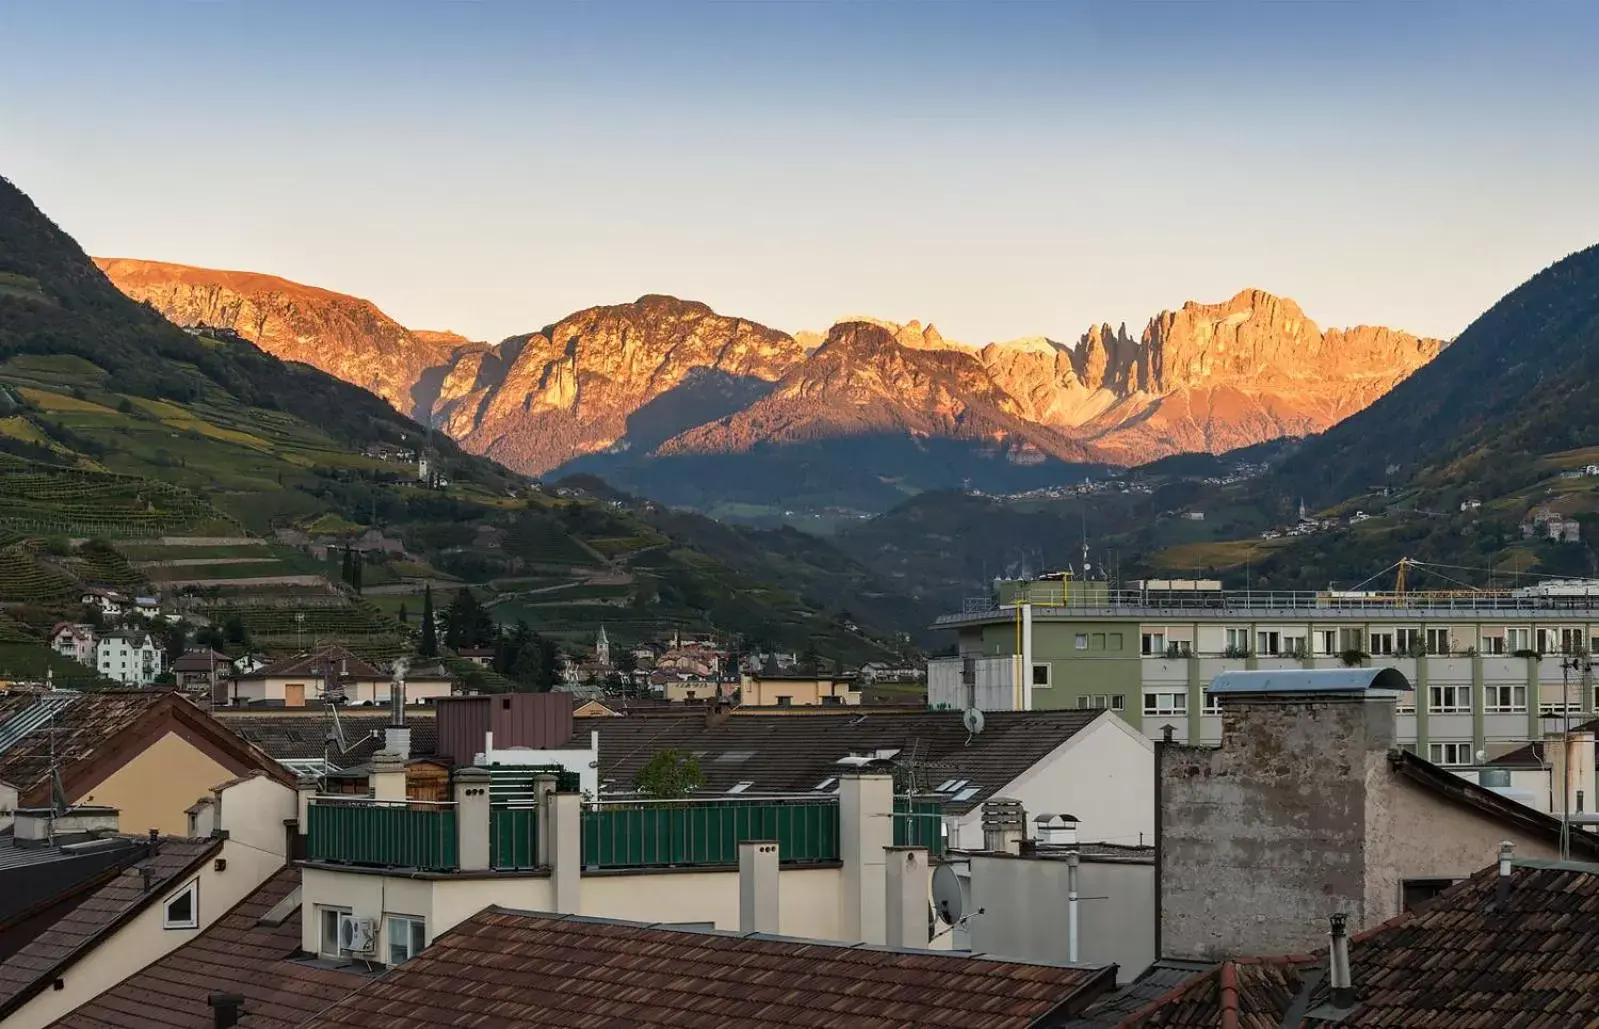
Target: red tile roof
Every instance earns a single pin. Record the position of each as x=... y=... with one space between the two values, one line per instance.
x=236 y=955
x=529 y=971
x=48 y=955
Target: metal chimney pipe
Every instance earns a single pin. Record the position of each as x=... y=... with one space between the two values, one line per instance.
x=1343 y=990
x=1507 y=852
x=225 y=1009
x=1073 y=917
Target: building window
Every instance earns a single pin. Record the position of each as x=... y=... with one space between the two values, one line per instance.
x=1504 y=699
x=1518 y=640
x=1450 y=753
x=1165 y=703
x=1493 y=643
x=1237 y=643
x=785 y=701
x=1118 y=702
x=407 y=937
x=1546 y=641
x=1381 y=643
x=1154 y=643
x=1268 y=643
x=1408 y=641
x=1041 y=675
x=1444 y=700
x=1416 y=892
x=1405 y=703
x=1081 y=641
x=1438 y=641
x=1351 y=639
x=1212 y=704
x=182 y=910
x=1294 y=645
x=1571 y=641
x=1326 y=641
x=328 y=936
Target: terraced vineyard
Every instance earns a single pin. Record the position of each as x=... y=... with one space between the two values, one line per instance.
x=44 y=500
x=291 y=628
x=24 y=579
x=12 y=631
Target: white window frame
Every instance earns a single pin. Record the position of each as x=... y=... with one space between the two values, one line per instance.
x=1493 y=643
x=1165 y=703
x=1268 y=643
x=1049 y=675
x=1409 y=640
x=1431 y=640
x=1440 y=754
x=191 y=890
x=1381 y=643
x=1461 y=704
x=1517 y=639
x=1080 y=641
x=1295 y=645
x=1326 y=641
x=411 y=925
x=1153 y=643
x=1504 y=698
x=323 y=911
x=1572 y=641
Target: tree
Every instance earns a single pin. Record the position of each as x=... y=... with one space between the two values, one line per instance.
x=355 y=571
x=670 y=775
x=404 y=615
x=810 y=661
x=235 y=631
x=345 y=573
x=429 y=646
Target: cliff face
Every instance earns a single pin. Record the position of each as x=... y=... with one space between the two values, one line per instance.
x=342 y=335
x=668 y=376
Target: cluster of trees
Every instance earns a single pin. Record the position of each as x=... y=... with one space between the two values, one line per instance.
x=527 y=658
x=520 y=655
x=351 y=571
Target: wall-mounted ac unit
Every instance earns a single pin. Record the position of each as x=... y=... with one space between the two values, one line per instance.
x=358 y=935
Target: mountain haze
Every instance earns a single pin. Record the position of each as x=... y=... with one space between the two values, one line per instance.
x=615 y=390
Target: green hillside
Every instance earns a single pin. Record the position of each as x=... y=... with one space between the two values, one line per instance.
x=138 y=456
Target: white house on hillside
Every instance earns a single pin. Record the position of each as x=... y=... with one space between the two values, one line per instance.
x=131 y=658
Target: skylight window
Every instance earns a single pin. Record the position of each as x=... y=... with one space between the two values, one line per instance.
x=964 y=795
x=944 y=787
x=182 y=909
x=825 y=784
x=740 y=787
x=734 y=757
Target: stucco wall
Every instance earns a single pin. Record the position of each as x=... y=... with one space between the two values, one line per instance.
x=157 y=787
x=1024 y=905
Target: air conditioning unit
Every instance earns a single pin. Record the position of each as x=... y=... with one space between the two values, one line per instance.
x=358 y=935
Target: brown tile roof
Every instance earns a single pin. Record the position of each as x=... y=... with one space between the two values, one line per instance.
x=50 y=953
x=288 y=737
x=72 y=726
x=350 y=666
x=788 y=753
x=202 y=661
x=1462 y=961
x=532 y=971
x=236 y=955
x=1161 y=979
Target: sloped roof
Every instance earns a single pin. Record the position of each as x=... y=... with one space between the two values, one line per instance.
x=350 y=666
x=291 y=737
x=796 y=753
x=1460 y=790
x=1157 y=981
x=49 y=954
x=201 y=661
x=1462 y=960
x=1535 y=754
x=532 y=971
x=237 y=954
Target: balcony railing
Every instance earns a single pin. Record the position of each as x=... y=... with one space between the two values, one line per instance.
x=919 y=823
x=697 y=833
x=1100 y=601
x=399 y=834
x=514 y=837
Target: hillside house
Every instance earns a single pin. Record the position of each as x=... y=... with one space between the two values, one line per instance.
x=76 y=641
x=109 y=603
x=131 y=658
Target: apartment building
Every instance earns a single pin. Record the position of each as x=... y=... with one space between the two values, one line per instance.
x=1491 y=669
x=131 y=658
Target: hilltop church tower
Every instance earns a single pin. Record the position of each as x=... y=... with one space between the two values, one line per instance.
x=602 y=648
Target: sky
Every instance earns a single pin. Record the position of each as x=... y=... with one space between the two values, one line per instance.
x=998 y=169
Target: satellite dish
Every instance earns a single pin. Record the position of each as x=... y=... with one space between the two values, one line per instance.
x=951 y=894
x=973 y=720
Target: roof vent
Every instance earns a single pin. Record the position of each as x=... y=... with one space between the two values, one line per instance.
x=225 y=1009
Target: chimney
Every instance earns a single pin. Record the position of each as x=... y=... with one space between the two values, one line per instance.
x=44 y=827
x=1057 y=830
x=1004 y=825
x=1343 y=990
x=388 y=776
x=1507 y=853
x=908 y=881
x=225 y=1009
x=758 y=882
x=717 y=712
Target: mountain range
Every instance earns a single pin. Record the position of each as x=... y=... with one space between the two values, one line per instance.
x=671 y=399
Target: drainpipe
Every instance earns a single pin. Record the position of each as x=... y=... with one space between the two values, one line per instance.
x=1027 y=657
x=1073 y=918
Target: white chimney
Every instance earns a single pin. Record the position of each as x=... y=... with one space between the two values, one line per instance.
x=1057 y=830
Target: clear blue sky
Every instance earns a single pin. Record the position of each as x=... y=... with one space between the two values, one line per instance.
x=998 y=169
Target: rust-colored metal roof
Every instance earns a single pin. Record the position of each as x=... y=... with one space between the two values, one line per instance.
x=236 y=955
x=517 y=970
x=49 y=954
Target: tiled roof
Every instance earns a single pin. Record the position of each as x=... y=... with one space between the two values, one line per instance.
x=532 y=971
x=350 y=666
x=237 y=955
x=302 y=737
x=1259 y=991
x=69 y=725
x=48 y=954
x=1159 y=980
x=202 y=661
x=1462 y=961
x=796 y=753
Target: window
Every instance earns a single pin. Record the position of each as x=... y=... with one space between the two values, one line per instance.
x=1237 y=642
x=328 y=942
x=1416 y=892
x=1593 y=644
x=1096 y=702
x=785 y=701
x=1212 y=704
x=182 y=909
x=1438 y=641
x=407 y=937
x=1571 y=641
x=1081 y=641
x=832 y=699
x=1450 y=753
x=1546 y=640
x=1118 y=702
x=1517 y=640
x=740 y=787
x=1326 y=641
x=1041 y=675
x=1405 y=703
x=1165 y=703
x=1154 y=643
x=1351 y=639
x=1504 y=698
x=1408 y=641
x=1268 y=642
x=1493 y=643
x=1381 y=643
x=1294 y=645
x=1445 y=700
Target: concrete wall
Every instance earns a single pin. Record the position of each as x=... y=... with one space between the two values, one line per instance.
x=1262 y=838
x=1024 y=911
x=156 y=789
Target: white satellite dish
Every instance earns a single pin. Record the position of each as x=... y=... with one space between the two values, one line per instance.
x=951 y=894
x=973 y=720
